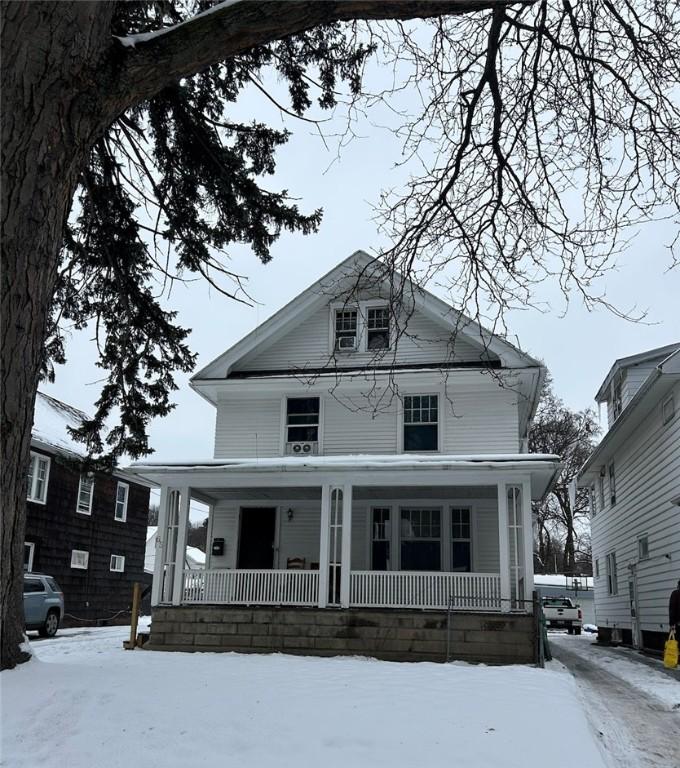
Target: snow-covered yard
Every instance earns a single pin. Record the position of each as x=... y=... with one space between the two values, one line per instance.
x=83 y=701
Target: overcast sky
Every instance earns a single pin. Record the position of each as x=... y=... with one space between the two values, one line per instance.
x=578 y=346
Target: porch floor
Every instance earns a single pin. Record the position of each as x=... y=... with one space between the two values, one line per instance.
x=390 y=634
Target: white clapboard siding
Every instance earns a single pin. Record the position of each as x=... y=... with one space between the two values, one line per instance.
x=480 y=421
x=485 y=557
x=307 y=346
x=352 y=426
x=477 y=415
x=647 y=478
x=247 y=428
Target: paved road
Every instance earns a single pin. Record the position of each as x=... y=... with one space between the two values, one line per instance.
x=637 y=729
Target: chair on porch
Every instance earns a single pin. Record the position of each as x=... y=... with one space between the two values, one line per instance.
x=295 y=563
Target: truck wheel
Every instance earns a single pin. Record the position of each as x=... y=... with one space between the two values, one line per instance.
x=51 y=625
x=577 y=631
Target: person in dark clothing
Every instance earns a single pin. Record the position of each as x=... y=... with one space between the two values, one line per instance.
x=674 y=611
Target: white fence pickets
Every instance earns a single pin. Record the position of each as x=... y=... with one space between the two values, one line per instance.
x=251 y=587
x=368 y=589
x=425 y=589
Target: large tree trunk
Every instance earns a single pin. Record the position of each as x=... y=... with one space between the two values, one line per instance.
x=49 y=51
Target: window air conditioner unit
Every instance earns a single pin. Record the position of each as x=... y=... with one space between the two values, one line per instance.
x=302 y=449
x=346 y=343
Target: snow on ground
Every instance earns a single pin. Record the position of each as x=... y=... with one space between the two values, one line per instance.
x=645 y=673
x=83 y=701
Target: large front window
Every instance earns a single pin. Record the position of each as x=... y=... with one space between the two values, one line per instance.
x=302 y=420
x=421 y=423
x=420 y=539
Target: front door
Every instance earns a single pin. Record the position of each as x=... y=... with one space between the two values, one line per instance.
x=256 y=539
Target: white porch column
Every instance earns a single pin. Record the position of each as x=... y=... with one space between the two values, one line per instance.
x=528 y=535
x=346 y=567
x=324 y=543
x=161 y=533
x=504 y=547
x=180 y=553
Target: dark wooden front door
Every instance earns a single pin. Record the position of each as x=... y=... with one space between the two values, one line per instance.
x=256 y=540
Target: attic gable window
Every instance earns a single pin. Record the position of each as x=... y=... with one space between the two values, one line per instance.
x=378 y=328
x=421 y=423
x=346 y=330
x=38 y=477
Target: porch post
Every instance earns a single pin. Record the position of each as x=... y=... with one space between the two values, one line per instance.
x=346 y=567
x=180 y=553
x=528 y=532
x=504 y=547
x=324 y=543
x=161 y=533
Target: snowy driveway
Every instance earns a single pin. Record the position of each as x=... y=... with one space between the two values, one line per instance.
x=632 y=701
x=86 y=703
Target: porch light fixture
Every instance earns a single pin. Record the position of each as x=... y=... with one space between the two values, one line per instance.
x=290 y=514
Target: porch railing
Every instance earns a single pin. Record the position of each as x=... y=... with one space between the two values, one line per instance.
x=251 y=587
x=426 y=589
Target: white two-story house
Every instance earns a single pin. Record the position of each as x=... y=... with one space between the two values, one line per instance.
x=369 y=488
x=634 y=481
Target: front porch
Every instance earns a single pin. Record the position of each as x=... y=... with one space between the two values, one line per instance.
x=419 y=534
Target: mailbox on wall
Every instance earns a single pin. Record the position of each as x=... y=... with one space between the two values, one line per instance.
x=218 y=547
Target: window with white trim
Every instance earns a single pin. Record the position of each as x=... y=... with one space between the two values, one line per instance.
x=122 y=491
x=600 y=488
x=38 y=477
x=643 y=547
x=346 y=330
x=617 y=399
x=302 y=419
x=597 y=568
x=593 y=501
x=29 y=554
x=612 y=484
x=377 y=328
x=612 y=581
x=420 y=539
x=421 y=423
x=85 y=494
x=117 y=563
x=668 y=409
x=79 y=559
x=461 y=539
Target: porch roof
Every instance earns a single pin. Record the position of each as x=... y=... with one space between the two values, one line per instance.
x=365 y=469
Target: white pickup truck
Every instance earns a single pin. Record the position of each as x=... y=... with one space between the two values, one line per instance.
x=561 y=613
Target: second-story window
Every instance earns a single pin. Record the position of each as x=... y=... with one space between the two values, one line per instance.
x=600 y=489
x=302 y=420
x=378 y=328
x=346 y=337
x=612 y=484
x=120 y=512
x=85 y=494
x=617 y=399
x=38 y=477
x=421 y=423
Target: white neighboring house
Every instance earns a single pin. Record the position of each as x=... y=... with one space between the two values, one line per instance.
x=634 y=480
x=194 y=558
x=359 y=466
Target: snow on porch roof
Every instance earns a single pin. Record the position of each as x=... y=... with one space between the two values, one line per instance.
x=349 y=461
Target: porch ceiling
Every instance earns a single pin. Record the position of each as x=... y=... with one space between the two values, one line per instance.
x=359 y=493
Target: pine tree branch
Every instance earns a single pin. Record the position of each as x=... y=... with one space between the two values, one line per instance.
x=147 y=62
